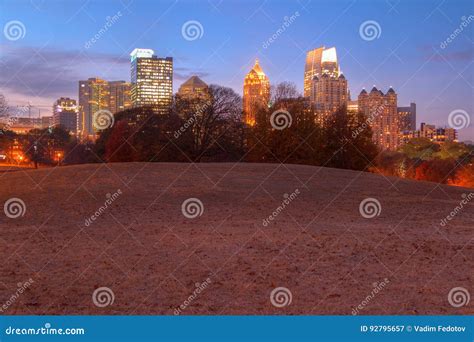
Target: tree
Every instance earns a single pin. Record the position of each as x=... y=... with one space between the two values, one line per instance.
x=465 y=176
x=420 y=148
x=348 y=144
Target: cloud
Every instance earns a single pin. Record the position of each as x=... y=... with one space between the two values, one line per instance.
x=441 y=55
x=34 y=72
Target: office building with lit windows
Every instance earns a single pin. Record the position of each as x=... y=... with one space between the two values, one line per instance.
x=328 y=91
x=119 y=96
x=256 y=93
x=65 y=114
x=381 y=111
x=94 y=95
x=194 y=87
x=407 y=117
x=151 y=80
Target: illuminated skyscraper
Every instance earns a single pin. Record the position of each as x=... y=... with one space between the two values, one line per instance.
x=194 y=87
x=381 y=112
x=65 y=114
x=328 y=90
x=256 y=93
x=152 y=80
x=312 y=68
x=94 y=95
x=407 y=117
x=119 y=98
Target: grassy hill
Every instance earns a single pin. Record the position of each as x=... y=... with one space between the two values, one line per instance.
x=261 y=226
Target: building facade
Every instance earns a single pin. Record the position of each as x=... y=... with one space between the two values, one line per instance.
x=151 y=80
x=381 y=111
x=94 y=95
x=328 y=90
x=65 y=114
x=407 y=117
x=256 y=93
x=119 y=98
x=312 y=68
x=194 y=87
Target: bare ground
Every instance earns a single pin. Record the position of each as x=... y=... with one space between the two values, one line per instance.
x=151 y=256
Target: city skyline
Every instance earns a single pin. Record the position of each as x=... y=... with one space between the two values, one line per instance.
x=437 y=80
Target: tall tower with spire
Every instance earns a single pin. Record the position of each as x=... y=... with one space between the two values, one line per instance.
x=256 y=93
x=328 y=87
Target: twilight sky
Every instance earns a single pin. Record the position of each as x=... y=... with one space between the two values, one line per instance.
x=409 y=52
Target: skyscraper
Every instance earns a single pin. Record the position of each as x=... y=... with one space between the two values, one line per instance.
x=407 y=117
x=381 y=112
x=65 y=114
x=152 y=80
x=312 y=68
x=194 y=87
x=256 y=93
x=94 y=95
x=119 y=98
x=328 y=91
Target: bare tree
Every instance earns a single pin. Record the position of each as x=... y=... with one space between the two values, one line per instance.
x=218 y=121
x=284 y=91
